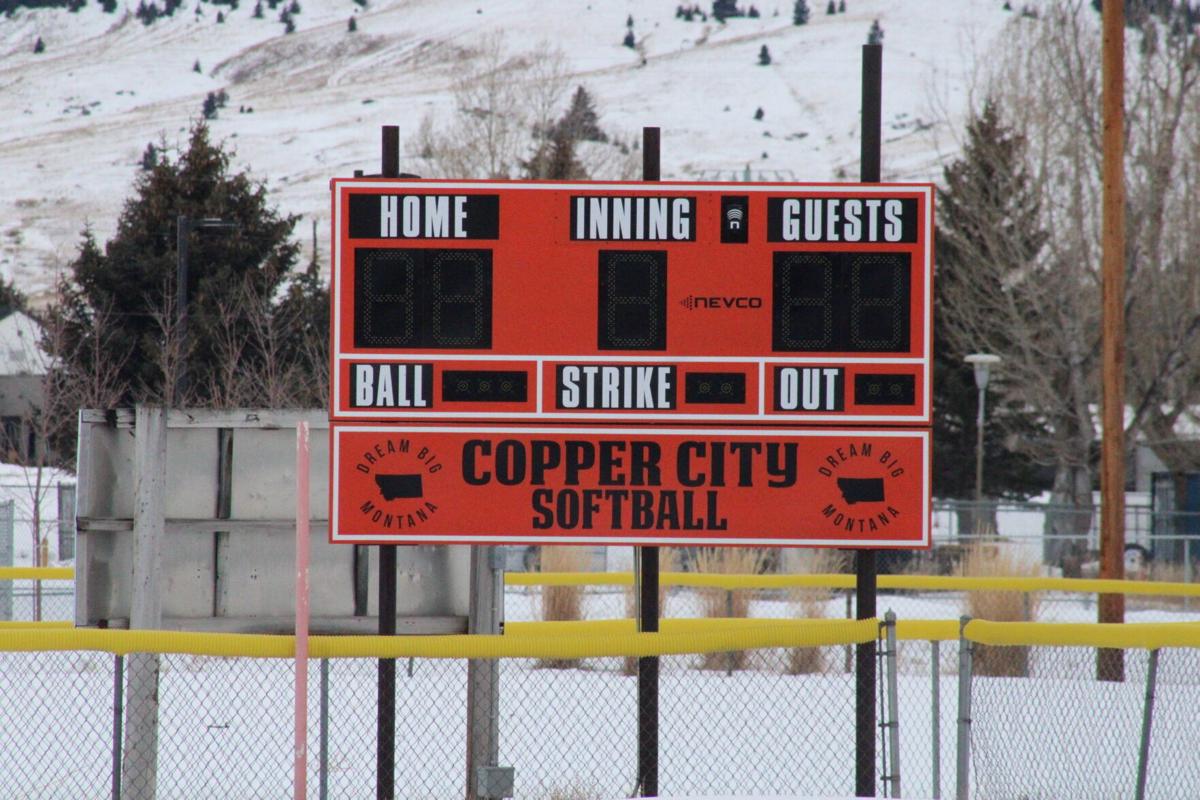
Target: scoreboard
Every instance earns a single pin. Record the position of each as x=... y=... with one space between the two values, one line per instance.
x=742 y=303
x=631 y=363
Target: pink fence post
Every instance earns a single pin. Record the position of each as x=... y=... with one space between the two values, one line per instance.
x=300 y=765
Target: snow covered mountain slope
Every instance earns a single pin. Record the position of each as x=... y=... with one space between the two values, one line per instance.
x=76 y=118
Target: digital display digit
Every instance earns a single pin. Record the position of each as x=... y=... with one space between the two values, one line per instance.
x=633 y=300
x=423 y=298
x=841 y=302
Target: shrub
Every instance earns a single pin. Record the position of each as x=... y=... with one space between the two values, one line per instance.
x=996 y=559
x=810 y=603
x=562 y=603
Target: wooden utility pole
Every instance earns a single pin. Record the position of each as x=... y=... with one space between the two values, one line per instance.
x=1110 y=663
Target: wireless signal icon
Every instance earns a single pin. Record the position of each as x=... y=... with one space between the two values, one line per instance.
x=735 y=218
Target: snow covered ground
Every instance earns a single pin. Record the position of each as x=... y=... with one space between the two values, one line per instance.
x=76 y=118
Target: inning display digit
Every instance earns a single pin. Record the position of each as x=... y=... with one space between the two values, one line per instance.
x=416 y=298
x=841 y=302
x=633 y=300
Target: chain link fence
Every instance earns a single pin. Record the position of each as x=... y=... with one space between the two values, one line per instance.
x=758 y=721
x=28 y=539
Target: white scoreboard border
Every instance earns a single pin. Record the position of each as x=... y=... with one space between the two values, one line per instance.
x=923 y=418
x=615 y=541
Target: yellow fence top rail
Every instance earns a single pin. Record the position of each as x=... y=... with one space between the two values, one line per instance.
x=37 y=573
x=1148 y=635
x=831 y=581
x=600 y=638
x=613 y=638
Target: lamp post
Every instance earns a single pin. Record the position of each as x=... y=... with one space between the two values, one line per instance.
x=183 y=233
x=983 y=363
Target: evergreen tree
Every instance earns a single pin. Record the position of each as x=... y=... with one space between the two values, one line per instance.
x=800 y=12
x=629 y=21
x=11 y=298
x=831 y=8
x=209 y=107
x=764 y=56
x=555 y=160
x=196 y=66
x=149 y=158
x=580 y=122
x=875 y=35
x=294 y=8
x=39 y=46
x=109 y=6
x=753 y=13
x=258 y=10
x=131 y=279
x=629 y=41
x=841 y=6
x=352 y=26
x=220 y=17
x=758 y=113
x=723 y=9
x=986 y=210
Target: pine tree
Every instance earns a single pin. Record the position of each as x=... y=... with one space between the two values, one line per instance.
x=629 y=21
x=753 y=13
x=759 y=113
x=831 y=8
x=724 y=9
x=209 y=108
x=580 y=122
x=875 y=35
x=629 y=41
x=220 y=17
x=800 y=12
x=196 y=66
x=841 y=6
x=39 y=46
x=258 y=10
x=294 y=8
x=986 y=210
x=149 y=157
x=352 y=26
x=109 y=6
x=764 y=56
x=129 y=278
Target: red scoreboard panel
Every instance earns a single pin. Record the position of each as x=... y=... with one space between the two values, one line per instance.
x=623 y=302
x=648 y=485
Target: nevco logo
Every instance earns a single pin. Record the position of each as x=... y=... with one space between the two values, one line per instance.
x=691 y=302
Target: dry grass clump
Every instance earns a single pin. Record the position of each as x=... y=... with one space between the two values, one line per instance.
x=562 y=603
x=719 y=603
x=574 y=792
x=810 y=602
x=998 y=560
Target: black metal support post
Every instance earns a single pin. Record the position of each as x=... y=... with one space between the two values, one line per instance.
x=118 y=722
x=864 y=565
x=183 y=235
x=647 y=763
x=385 y=752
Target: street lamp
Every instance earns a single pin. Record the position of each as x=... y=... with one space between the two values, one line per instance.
x=183 y=234
x=983 y=363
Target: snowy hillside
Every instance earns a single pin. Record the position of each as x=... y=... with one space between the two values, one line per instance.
x=76 y=118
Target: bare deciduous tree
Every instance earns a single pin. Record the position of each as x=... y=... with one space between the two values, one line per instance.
x=504 y=103
x=1043 y=315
